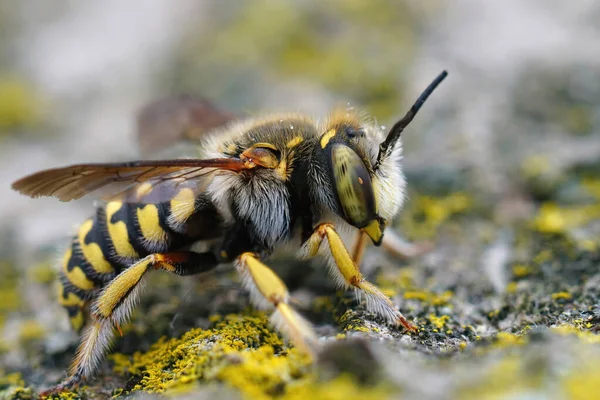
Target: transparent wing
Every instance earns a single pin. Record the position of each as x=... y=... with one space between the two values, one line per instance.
x=164 y=124
x=138 y=181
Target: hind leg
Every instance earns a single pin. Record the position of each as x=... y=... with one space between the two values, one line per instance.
x=114 y=305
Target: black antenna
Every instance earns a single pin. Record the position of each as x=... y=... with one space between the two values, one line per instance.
x=385 y=148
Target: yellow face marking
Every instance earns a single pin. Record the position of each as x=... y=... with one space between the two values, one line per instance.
x=143 y=189
x=92 y=252
x=77 y=321
x=374 y=231
x=116 y=291
x=149 y=224
x=182 y=206
x=76 y=276
x=118 y=232
x=294 y=142
x=327 y=137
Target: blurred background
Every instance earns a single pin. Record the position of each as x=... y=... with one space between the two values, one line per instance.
x=520 y=108
x=524 y=80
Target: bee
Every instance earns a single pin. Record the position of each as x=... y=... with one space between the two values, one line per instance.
x=256 y=185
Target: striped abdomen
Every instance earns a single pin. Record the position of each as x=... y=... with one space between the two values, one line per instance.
x=122 y=233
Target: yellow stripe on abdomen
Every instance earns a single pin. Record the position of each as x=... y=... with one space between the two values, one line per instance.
x=77 y=321
x=76 y=276
x=118 y=232
x=183 y=206
x=150 y=224
x=71 y=298
x=92 y=252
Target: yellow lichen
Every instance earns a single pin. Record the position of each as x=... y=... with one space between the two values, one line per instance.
x=241 y=352
x=561 y=295
x=511 y=287
x=425 y=214
x=235 y=341
x=436 y=299
x=521 y=271
x=12 y=386
x=554 y=219
x=504 y=339
x=580 y=332
x=438 y=322
x=31 y=330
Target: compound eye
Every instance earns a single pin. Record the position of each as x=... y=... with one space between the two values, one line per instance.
x=353 y=186
x=263 y=154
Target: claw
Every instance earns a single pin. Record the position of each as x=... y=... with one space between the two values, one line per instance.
x=118 y=326
x=407 y=325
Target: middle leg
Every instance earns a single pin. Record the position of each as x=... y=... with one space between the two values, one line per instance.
x=268 y=291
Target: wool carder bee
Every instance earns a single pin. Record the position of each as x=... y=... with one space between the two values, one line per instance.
x=255 y=185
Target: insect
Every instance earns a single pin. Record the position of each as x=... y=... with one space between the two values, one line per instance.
x=255 y=185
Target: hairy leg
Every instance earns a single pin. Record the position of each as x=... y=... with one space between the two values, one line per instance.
x=267 y=291
x=347 y=275
x=114 y=305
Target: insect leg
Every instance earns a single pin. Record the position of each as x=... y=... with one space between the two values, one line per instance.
x=398 y=246
x=347 y=274
x=393 y=243
x=115 y=303
x=268 y=291
x=358 y=250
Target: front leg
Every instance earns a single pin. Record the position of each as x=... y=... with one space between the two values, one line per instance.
x=347 y=275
